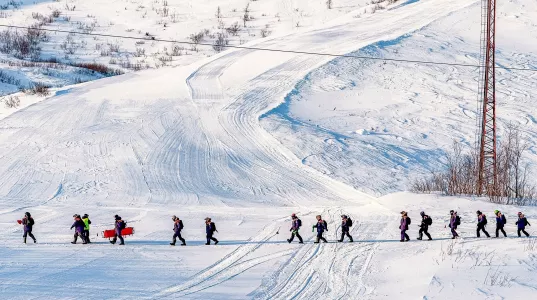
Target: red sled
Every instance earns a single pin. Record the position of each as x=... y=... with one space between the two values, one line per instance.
x=19 y=221
x=112 y=232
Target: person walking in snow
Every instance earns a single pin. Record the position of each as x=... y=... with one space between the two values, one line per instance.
x=454 y=221
x=78 y=225
x=296 y=223
x=521 y=224
x=500 y=223
x=177 y=227
x=346 y=224
x=87 y=222
x=321 y=227
x=119 y=225
x=481 y=223
x=426 y=221
x=403 y=226
x=28 y=225
x=210 y=228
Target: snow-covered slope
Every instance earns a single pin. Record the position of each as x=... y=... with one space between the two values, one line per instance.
x=189 y=141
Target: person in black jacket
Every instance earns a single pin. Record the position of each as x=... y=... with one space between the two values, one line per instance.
x=521 y=224
x=346 y=223
x=177 y=227
x=481 y=223
x=28 y=223
x=424 y=226
x=210 y=228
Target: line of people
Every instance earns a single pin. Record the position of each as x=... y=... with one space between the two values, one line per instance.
x=82 y=227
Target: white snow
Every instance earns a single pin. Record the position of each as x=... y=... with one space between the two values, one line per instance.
x=248 y=137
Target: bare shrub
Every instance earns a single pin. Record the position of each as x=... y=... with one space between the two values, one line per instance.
x=461 y=176
x=9 y=79
x=497 y=277
x=22 y=43
x=329 y=4
x=99 y=68
x=12 y=102
x=530 y=245
x=265 y=32
x=220 y=43
x=177 y=50
x=56 y=13
x=233 y=29
x=246 y=15
x=218 y=13
x=139 y=52
x=39 y=89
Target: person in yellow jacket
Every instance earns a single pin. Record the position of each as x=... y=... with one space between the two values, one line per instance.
x=87 y=222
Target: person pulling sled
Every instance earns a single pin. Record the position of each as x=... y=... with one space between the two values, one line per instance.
x=296 y=223
x=177 y=227
x=210 y=229
x=119 y=225
x=426 y=221
x=28 y=224
x=321 y=227
x=346 y=224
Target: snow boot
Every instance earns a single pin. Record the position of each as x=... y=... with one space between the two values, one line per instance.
x=216 y=242
x=340 y=241
x=207 y=244
x=419 y=238
x=402 y=241
x=289 y=241
x=73 y=243
x=172 y=244
x=122 y=244
x=183 y=244
x=301 y=242
x=24 y=240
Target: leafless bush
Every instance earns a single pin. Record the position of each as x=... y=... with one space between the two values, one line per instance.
x=38 y=88
x=246 y=15
x=497 y=277
x=177 y=50
x=218 y=14
x=234 y=29
x=70 y=8
x=377 y=1
x=56 y=13
x=461 y=176
x=71 y=46
x=99 y=68
x=174 y=17
x=22 y=43
x=139 y=52
x=220 y=43
x=265 y=32
x=530 y=245
x=9 y=79
x=329 y=4
x=11 y=102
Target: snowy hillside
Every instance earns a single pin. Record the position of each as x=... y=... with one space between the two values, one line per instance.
x=248 y=137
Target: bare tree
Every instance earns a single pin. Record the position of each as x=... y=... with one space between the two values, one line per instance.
x=246 y=16
x=329 y=4
x=220 y=43
x=218 y=13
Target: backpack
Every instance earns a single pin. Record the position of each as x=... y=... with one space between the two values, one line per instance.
x=457 y=220
x=299 y=222
x=213 y=227
x=181 y=224
x=123 y=224
x=504 y=219
x=429 y=221
x=349 y=222
x=484 y=220
x=31 y=221
x=325 y=225
x=408 y=221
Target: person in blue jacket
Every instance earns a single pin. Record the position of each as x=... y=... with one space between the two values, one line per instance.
x=321 y=227
x=28 y=223
x=346 y=224
x=177 y=227
x=119 y=225
x=454 y=221
x=500 y=222
x=521 y=224
x=210 y=229
x=79 y=226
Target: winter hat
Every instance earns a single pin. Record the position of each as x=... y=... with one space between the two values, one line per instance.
x=85 y=216
x=496 y=212
x=422 y=213
x=117 y=217
x=344 y=216
x=207 y=219
x=293 y=215
x=519 y=213
x=27 y=214
x=75 y=216
x=174 y=217
x=478 y=212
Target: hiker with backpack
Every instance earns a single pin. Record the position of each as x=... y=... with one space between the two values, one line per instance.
x=500 y=223
x=78 y=225
x=296 y=223
x=28 y=224
x=177 y=227
x=426 y=221
x=119 y=226
x=321 y=226
x=346 y=224
x=521 y=224
x=454 y=221
x=87 y=222
x=403 y=226
x=210 y=228
x=481 y=223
